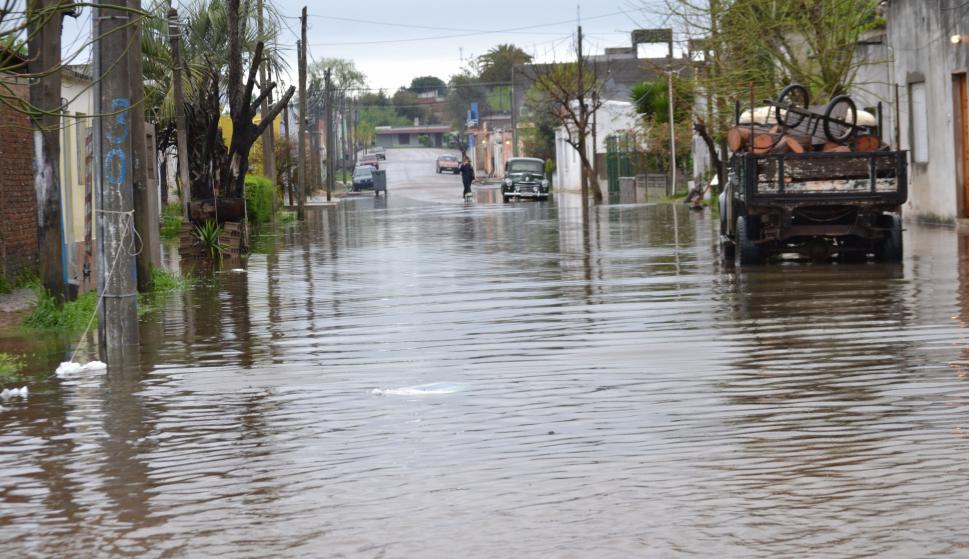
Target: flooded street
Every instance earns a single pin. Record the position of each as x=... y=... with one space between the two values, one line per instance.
x=610 y=391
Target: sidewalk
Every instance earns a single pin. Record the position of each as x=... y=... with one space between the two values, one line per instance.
x=14 y=305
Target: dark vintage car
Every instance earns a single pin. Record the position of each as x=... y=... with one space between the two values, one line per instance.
x=524 y=178
x=370 y=159
x=448 y=163
x=362 y=178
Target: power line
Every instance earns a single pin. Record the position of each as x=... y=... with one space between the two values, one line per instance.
x=454 y=36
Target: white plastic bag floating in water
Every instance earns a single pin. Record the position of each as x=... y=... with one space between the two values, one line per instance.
x=69 y=368
x=432 y=389
x=7 y=394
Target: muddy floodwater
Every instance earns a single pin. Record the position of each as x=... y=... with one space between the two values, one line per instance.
x=399 y=378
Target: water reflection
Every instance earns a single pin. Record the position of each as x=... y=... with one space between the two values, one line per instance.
x=618 y=381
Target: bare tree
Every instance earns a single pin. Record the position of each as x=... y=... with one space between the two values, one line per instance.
x=573 y=103
x=242 y=107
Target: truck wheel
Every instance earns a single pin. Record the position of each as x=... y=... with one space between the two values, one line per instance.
x=891 y=247
x=727 y=250
x=746 y=252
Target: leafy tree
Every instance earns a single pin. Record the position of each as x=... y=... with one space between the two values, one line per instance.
x=405 y=101
x=423 y=84
x=768 y=44
x=496 y=64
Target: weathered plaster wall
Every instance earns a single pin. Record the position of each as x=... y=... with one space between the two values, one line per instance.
x=918 y=36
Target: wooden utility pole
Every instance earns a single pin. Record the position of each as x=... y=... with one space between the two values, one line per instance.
x=44 y=54
x=118 y=326
x=301 y=169
x=268 y=136
x=181 y=123
x=669 y=103
x=145 y=200
x=583 y=119
x=331 y=150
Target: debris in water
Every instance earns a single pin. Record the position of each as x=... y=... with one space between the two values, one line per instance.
x=21 y=392
x=70 y=368
x=238 y=270
x=432 y=389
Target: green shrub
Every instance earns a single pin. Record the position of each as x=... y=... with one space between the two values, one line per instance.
x=259 y=198
x=72 y=316
x=171 y=221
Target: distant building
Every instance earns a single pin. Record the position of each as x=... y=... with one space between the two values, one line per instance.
x=409 y=136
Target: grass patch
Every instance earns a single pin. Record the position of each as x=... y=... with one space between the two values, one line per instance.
x=171 y=223
x=10 y=365
x=163 y=284
x=162 y=280
x=69 y=317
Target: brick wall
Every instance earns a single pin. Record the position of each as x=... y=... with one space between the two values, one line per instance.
x=18 y=206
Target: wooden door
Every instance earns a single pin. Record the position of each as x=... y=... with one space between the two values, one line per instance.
x=960 y=93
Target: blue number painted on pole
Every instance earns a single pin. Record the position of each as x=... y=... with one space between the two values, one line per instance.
x=115 y=167
x=119 y=106
x=115 y=164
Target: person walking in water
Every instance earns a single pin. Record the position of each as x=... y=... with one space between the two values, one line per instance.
x=467 y=176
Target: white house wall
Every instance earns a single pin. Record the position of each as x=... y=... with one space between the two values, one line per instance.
x=918 y=34
x=613 y=117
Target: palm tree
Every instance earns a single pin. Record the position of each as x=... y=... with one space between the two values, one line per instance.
x=496 y=64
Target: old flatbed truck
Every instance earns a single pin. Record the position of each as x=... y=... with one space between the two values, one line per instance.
x=817 y=204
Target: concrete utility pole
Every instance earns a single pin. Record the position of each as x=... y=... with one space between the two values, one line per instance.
x=514 y=116
x=582 y=117
x=181 y=123
x=301 y=169
x=330 y=143
x=268 y=136
x=289 y=149
x=145 y=200
x=118 y=326
x=44 y=54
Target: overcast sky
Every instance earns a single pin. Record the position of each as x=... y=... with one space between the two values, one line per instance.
x=393 y=41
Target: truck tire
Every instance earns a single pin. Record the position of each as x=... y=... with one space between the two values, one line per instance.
x=747 y=253
x=890 y=249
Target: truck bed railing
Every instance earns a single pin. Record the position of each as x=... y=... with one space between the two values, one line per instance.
x=879 y=176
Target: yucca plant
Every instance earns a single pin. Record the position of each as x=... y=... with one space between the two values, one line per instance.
x=207 y=236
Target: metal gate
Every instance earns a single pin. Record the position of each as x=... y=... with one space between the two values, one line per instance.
x=618 y=161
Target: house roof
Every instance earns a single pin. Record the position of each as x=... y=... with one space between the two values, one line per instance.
x=431 y=129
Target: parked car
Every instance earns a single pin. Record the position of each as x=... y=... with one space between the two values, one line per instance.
x=370 y=159
x=380 y=152
x=362 y=178
x=448 y=163
x=525 y=178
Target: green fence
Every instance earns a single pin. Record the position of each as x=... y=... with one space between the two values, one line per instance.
x=618 y=161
